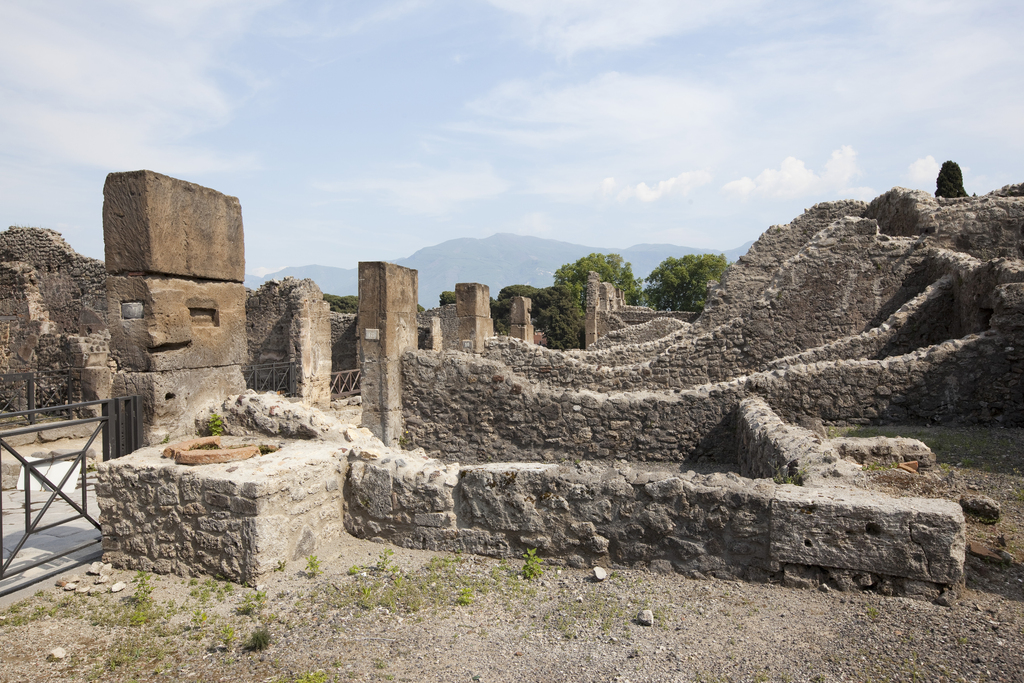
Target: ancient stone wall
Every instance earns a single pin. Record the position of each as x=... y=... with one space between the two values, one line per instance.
x=238 y=520
x=344 y=342
x=449 y=324
x=288 y=321
x=49 y=294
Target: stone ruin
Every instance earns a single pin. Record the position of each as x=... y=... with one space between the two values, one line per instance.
x=662 y=445
x=607 y=312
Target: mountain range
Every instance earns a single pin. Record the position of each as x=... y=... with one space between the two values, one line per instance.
x=497 y=261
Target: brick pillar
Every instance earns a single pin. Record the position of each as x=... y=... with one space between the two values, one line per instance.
x=388 y=295
x=473 y=306
x=521 y=326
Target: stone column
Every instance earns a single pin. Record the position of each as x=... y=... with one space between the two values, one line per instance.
x=521 y=326
x=175 y=260
x=89 y=355
x=592 y=303
x=388 y=295
x=473 y=306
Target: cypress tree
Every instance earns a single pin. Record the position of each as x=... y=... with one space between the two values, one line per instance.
x=950 y=182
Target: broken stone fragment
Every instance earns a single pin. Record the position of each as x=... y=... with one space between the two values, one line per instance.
x=980 y=506
x=645 y=618
x=56 y=654
x=95 y=569
x=118 y=587
x=986 y=553
x=600 y=574
x=209 y=457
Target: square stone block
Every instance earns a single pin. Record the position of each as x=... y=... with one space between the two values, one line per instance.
x=521 y=309
x=171 y=400
x=159 y=323
x=524 y=332
x=238 y=519
x=156 y=224
x=388 y=296
x=472 y=299
x=475 y=330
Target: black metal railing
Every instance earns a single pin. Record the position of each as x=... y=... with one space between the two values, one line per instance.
x=279 y=377
x=24 y=392
x=345 y=383
x=119 y=428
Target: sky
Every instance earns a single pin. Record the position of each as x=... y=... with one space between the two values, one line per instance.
x=357 y=131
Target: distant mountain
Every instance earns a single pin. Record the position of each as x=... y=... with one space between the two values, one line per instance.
x=496 y=261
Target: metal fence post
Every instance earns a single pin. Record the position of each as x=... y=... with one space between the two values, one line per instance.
x=30 y=397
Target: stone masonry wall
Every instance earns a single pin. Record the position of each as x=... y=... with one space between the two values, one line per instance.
x=344 y=342
x=237 y=520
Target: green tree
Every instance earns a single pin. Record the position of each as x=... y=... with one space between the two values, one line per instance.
x=610 y=267
x=681 y=284
x=447 y=298
x=501 y=308
x=950 y=182
x=343 y=304
x=558 y=315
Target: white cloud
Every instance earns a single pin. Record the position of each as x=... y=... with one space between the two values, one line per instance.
x=923 y=172
x=418 y=189
x=681 y=184
x=569 y=26
x=612 y=109
x=120 y=84
x=793 y=179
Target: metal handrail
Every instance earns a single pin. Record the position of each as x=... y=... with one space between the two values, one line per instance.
x=119 y=426
x=279 y=377
x=345 y=383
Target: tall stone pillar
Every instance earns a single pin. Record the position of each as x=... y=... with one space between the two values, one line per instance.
x=592 y=304
x=473 y=306
x=521 y=324
x=388 y=295
x=175 y=260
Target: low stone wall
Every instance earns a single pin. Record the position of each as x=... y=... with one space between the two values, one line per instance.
x=449 y=318
x=719 y=523
x=478 y=410
x=237 y=519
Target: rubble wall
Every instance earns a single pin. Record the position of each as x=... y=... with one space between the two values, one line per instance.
x=344 y=342
x=237 y=520
x=478 y=410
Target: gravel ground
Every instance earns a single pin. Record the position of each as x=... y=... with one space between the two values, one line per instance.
x=376 y=613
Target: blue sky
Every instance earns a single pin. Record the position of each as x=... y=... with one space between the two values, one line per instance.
x=365 y=131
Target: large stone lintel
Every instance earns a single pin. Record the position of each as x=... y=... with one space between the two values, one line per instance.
x=156 y=224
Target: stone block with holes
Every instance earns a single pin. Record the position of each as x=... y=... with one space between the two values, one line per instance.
x=159 y=323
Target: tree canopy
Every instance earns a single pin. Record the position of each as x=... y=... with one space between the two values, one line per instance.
x=447 y=298
x=950 y=182
x=554 y=312
x=681 y=284
x=343 y=304
x=610 y=267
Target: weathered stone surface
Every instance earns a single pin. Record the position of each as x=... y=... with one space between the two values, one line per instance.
x=881 y=450
x=288 y=321
x=472 y=300
x=156 y=224
x=185 y=324
x=171 y=401
x=236 y=519
x=915 y=538
x=387 y=327
x=251 y=414
x=474 y=333
x=980 y=506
